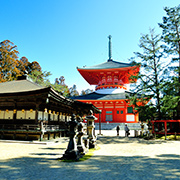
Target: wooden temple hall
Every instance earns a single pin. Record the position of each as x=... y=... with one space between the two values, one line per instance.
x=32 y=112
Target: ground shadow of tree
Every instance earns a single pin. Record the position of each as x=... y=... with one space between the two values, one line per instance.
x=98 y=167
x=44 y=165
x=121 y=140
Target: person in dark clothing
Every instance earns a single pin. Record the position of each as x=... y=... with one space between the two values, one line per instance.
x=117 y=129
x=126 y=130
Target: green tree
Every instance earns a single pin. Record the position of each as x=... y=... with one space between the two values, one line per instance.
x=40 y=77
x=62 y=80
x=147 y=112
x=170 y=98
x=73 y=91
x=34 y=71
x=34 y=66
x=171 y=36
x=87 y=91
x=151 y=74
x=23 y=64
x=60 y=86
x=8 y=61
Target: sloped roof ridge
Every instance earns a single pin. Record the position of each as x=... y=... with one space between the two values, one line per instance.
x=19 y=86
x=31 y=81
x=21 y=81
x=108 y=64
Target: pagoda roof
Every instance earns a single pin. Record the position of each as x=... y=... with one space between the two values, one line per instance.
x=110 y=64
x=97 y=96
x=91 y=73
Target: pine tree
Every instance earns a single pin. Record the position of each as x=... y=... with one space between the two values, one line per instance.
x=60 y=86
x=171 y=36
x=151 y=75
x=73 y=91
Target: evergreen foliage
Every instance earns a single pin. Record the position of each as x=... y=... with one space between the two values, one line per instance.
x=60 y=86
x=171 y=36
x=151 y=74
x=87 y=91
x=157 y=81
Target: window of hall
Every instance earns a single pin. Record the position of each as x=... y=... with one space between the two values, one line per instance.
x=130 y=110
x=109 y=116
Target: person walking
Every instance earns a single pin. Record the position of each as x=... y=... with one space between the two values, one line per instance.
x=126 y=130
x=117 y=129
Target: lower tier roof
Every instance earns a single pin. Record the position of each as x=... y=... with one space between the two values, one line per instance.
x=96 y=96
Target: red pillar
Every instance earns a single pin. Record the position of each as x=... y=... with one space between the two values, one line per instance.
x=165 y=127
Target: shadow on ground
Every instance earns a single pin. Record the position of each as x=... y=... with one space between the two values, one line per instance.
x=52 y=148
x=120 y=140
x=45 y=166
x=98 y=167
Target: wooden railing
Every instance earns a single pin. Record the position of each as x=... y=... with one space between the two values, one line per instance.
x=29 y=127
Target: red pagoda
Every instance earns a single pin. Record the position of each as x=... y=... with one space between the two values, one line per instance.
x=112 y=79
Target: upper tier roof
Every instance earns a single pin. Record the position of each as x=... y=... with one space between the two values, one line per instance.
x=110 y=64
x=92 y=73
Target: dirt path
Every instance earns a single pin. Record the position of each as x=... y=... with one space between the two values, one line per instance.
x=118 y=158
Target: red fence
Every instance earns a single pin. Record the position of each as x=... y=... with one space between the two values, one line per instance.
x=166 y=126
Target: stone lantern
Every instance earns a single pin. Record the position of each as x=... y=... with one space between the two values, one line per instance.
x=72 y=152
x=80 y=145
x=90 y=129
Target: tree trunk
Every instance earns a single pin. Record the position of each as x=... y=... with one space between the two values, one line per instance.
x=178 y=108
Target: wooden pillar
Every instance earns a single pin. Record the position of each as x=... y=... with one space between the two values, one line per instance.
x=175 y=136
x=125 y=111
x=36 y=113
x=99 y=123
x=58 y=118
x=14 y=112
x=114 y=112
x=65 y=117
x=165 y=128
x=103 y=112
x=153 y=131
x=49 y=118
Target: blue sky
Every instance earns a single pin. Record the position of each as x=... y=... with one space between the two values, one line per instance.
x=64 y=34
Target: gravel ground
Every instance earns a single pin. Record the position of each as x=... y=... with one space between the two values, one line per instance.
x=119 y=157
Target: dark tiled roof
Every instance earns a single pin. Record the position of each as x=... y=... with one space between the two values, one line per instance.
x=19 y=86
x=110 y=64
x=96 y=96
x=27 y=87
